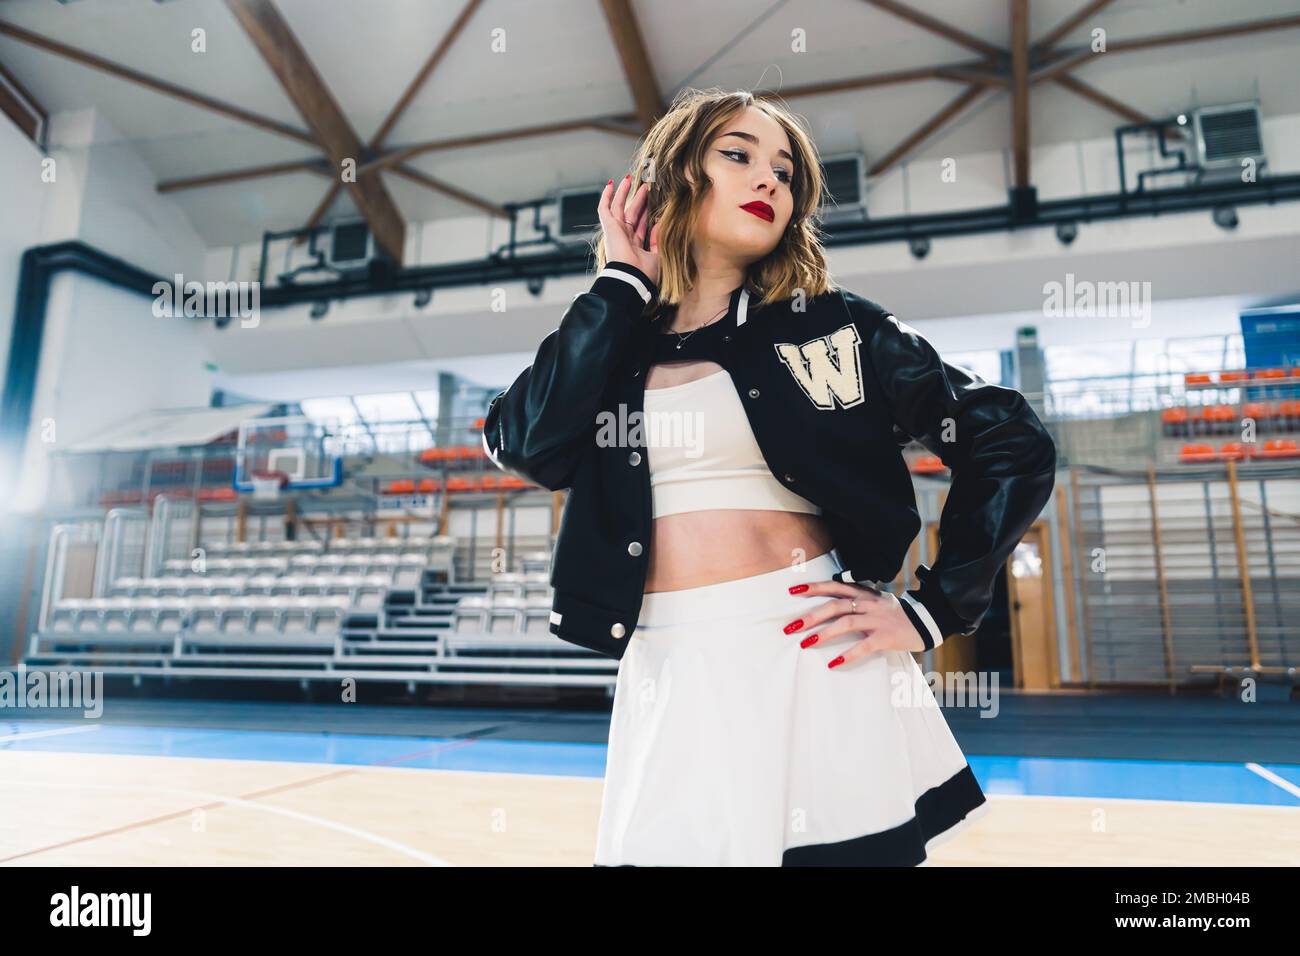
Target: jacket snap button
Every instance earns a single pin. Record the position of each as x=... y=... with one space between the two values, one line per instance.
x=634 y=458
x=789 y=477
x=726 y=338
x=753 y=393
x=636 y=372
x=617 y=630
x=634 y=548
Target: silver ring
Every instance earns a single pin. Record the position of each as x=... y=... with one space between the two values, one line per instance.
x=855 y=605
x=629 y=222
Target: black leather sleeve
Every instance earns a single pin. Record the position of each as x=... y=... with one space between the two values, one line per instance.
x=537 y=428
x=1003 y=464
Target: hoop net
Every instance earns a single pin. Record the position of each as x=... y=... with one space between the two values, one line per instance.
x=267 y=484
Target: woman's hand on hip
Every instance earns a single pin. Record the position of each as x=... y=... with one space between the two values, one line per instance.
x=624 y=224
x=878 y=615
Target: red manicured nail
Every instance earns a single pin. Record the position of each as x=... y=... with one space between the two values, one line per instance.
x=794 y=626
x=809 y=641
x=837 y=662
x=610 y=183
x=628 y=176
x=798 y=588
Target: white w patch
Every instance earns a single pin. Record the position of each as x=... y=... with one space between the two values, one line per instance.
x=827 y=368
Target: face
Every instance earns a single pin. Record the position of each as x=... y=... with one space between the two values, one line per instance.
x=750 y=162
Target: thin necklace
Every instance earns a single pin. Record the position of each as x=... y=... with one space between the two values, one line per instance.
x=682 y=338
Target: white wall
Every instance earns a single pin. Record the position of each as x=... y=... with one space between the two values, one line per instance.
x=1199 y=275
x=105 y=357
x=22 y=200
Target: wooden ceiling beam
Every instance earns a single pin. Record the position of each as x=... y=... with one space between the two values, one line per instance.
x=408 y=96
x=632 y=54
x=321 y=167
x=1020 y=91
x=289 y=62
x=1067 y=26
x=316 y=166
x=1209 y=33
x=17 y=104
x=159 y=86
x=927 y=129
x=1107 y=102
x=988 y=75
x=401 y=154
x=937 y=27
x=949 y=71
x=1058 y=62
x=446 y=189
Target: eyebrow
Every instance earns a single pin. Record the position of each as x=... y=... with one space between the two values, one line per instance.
x=754 y=139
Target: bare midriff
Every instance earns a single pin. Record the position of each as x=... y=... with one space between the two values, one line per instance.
x=695 y=548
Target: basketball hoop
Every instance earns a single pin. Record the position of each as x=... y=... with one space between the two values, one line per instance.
x=267 y=484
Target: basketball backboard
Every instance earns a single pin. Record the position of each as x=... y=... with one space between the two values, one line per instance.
x=303 y=449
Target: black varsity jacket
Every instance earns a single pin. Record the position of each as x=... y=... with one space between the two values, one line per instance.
x=833 y=392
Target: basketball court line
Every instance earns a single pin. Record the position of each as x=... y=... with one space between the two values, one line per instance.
x=216 y=801
x=56 y=732
x=1170 y=781
x=243 y=800
x=1271 y=777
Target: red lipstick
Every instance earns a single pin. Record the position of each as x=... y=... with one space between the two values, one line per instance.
x=760 y=209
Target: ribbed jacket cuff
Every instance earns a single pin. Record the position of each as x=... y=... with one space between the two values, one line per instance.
x=625 y=287
x=928 y=609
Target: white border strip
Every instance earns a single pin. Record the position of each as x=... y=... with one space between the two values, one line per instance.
x=31 y=735
x=616 y=273
x=1271 y=777
x=925 y=616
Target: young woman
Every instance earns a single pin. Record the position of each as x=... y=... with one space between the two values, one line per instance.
x=767 y=710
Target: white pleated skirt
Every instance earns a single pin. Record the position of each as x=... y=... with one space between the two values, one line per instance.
x=730 y=745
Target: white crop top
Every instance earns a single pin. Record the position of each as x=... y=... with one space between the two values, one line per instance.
x=702 y=452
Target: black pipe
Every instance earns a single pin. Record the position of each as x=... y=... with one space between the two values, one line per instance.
x=41 y=263
x=39 y=266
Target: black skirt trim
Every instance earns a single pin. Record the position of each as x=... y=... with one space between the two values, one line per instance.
x=937 y=810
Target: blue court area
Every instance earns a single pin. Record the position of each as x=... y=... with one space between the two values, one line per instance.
x=1191 y=781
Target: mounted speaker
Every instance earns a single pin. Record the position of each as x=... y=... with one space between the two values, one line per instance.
x=1228 y=134
x=845 y=177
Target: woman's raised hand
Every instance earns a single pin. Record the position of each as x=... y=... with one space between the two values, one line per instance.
x=625 y=224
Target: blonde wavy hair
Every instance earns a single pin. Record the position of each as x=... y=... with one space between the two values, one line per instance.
x=677 y=143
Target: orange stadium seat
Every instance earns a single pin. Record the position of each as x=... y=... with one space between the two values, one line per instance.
x=1280 y=448
x=928 y=465
x=1197 y=453
x=1216 y=419
x=1237 y=451
x=1173 y=421
x=1288 y=414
